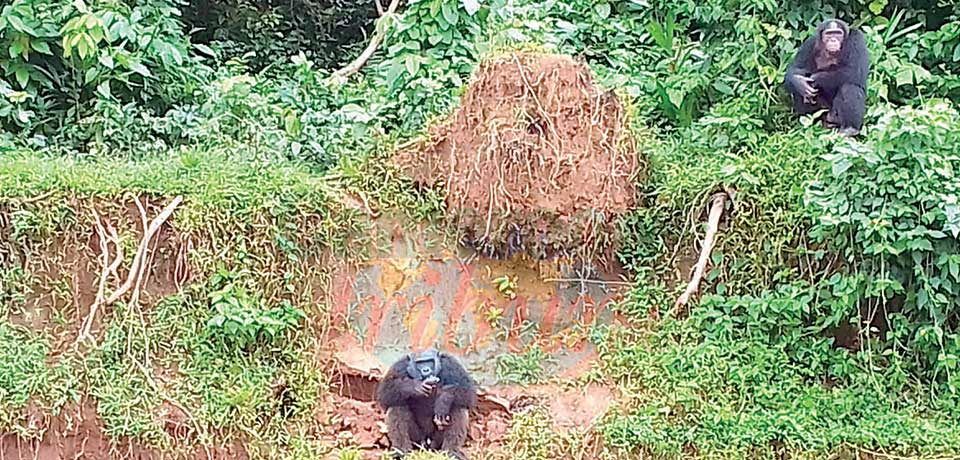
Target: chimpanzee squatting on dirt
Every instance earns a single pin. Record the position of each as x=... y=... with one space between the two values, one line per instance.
x=830 y=72
x=427 y=397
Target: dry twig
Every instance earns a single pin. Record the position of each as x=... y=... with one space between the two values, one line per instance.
x=106 y=270
x=718 y=201
x=137 y=268
x=140 y=257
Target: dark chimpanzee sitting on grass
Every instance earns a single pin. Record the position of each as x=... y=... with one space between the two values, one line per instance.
x=830 y=72
x=427 y=397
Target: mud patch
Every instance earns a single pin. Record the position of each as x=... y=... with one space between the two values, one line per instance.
x=355 y=419
x=403 y=300
x=537 y=159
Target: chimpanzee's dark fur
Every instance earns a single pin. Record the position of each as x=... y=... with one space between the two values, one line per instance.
x=841 y=81
x=410 y=416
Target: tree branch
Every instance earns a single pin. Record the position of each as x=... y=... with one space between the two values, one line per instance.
x=341 y=75
x=718 y=201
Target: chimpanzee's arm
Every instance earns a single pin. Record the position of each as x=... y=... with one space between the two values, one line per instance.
x=397 y=387
x=800 y=66
x=853 y=66
x=457 y=388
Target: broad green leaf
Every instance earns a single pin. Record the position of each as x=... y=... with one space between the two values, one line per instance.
x=24 y=116
x=450 y=13
x=177 y=56
x=675 y=96
x=140 y=69
x=90 y=75
x=15 y=50
x=413 y=64
x=18 y=24
x=106 y=60
x=217 y=321
x=840 y=166
x=472 y=6
x=205 y=50
x=104 y=90
x=602 y=9
x=67 y=49
x=23 y=76
x=40 y=47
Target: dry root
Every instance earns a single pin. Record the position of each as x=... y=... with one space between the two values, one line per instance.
x=718 y=201
x=138 y=269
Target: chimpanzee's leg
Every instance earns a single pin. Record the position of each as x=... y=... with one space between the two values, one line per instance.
x=453 y=437
x=848 y=109
x=402 y=429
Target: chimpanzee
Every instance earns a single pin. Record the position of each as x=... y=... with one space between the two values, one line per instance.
x=830 y=72
x=427 y=397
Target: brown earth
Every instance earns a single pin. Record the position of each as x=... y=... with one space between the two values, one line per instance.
x=352 y=415
x=537 y=159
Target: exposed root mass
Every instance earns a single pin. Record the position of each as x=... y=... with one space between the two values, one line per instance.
x=537 y=159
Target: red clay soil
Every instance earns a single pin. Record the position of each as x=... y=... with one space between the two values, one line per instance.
x=536 y=151
x=350 y=416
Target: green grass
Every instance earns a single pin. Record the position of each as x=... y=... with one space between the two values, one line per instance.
x=27 y=378
x=524 y=368
x=745 y=399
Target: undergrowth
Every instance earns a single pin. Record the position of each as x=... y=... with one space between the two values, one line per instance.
x=828 y=321
x=738 y=398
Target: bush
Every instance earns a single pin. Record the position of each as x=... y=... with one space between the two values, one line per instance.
x=890 y=209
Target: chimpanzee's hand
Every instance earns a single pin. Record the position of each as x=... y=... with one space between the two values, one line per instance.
x=441 y=421
x=427 y=386
x=806 y=86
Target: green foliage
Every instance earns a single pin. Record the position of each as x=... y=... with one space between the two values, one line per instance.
x=526 y=368
x=241 y=321
x=742 y=398
x=889 y=208
x=432 y=48
x=15 y=285
x=790 y=319
x=25 y=378
x=65 y=58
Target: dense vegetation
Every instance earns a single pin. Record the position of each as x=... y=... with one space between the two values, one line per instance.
x=831 y=320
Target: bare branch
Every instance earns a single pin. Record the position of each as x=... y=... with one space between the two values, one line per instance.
x=718 y=201
x=341 y=75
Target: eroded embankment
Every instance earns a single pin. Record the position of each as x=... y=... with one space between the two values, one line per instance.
x=216 y=307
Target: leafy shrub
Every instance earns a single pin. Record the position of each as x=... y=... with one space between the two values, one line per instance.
x=889 y=208
x=431 y=49
x=743 y=398
x=240 y=321
x=526 y=368
x=62 y=56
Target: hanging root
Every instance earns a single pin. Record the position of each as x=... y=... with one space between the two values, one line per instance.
x=718 y=201
x=137 y=272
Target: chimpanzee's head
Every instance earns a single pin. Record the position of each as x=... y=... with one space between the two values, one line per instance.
x=832 y=33
x=424 y=365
